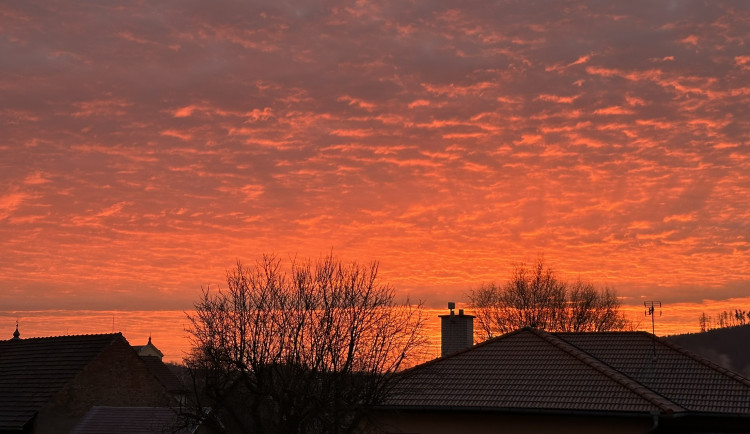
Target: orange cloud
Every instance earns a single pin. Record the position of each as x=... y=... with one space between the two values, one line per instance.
x=448 y=141
x=177 y=134
x=10 y=202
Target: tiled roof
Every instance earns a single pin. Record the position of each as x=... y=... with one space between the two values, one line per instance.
x=128 y=420
x=33 y=370
x=588 y=372
x=684 y=378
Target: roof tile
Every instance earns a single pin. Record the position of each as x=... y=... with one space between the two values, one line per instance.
x=532 y=369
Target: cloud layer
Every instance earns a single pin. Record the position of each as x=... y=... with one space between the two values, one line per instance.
x=146 y=146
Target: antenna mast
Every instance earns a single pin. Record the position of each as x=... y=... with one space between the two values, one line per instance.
x=650 y=308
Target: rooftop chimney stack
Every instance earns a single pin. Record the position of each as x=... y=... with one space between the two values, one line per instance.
x=456 y=331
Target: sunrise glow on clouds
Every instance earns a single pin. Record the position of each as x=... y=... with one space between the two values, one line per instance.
x=146 y=147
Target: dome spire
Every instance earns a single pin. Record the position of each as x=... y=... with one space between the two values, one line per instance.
x=16 y=334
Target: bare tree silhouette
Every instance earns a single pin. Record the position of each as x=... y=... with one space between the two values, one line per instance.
x=535 y=297
x=305 y=351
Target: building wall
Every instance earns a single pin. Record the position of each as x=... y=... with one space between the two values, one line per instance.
x=447 y=422
x=117 y=377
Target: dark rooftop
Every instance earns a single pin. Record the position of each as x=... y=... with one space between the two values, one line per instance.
x=129 y=420
x=33 y=370
x=632 y=372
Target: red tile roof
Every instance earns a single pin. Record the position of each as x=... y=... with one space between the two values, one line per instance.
x=33 y=370
x=588 y=372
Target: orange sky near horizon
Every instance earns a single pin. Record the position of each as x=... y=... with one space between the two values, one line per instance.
x=168 y=328
x=146 y=147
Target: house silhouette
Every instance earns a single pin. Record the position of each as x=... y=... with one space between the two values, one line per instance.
x=48 y=384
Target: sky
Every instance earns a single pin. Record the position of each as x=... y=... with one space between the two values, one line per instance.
x=148 y=146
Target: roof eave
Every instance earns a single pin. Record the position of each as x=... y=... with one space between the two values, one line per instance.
x=536 y=411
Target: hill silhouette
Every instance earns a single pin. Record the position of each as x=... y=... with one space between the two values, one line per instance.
x=726 y=347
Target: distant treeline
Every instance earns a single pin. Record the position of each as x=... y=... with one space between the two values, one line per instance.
x=727 y=318
x=724 y=346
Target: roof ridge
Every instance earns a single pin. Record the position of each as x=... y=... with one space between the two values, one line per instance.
x=36 y=338
x=451 y=355
x=700 y=359
x=636 y=387
x=118 y=407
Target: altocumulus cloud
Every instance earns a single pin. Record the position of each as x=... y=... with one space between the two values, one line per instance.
x=146 y=146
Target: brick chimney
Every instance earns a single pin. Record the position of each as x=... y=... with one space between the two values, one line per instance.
x=456 y=331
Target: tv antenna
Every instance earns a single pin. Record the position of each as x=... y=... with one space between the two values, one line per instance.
x=651 y=307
